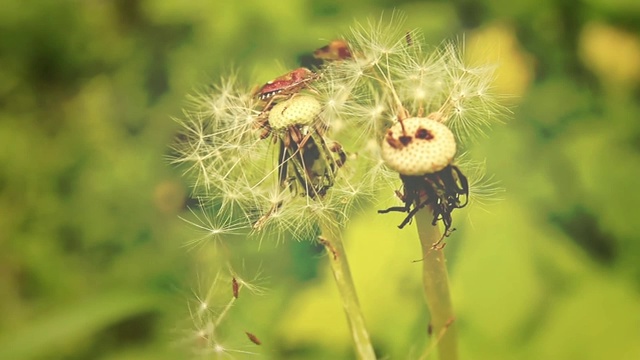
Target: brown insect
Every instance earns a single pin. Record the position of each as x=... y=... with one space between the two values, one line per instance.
x=336 y=50
x=281 y=88
x=235 y=287
x=287 y=84
x=254 y=339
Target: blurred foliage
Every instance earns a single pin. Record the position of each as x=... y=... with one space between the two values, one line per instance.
x=92 y=256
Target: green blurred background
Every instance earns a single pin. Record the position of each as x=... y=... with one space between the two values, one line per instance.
x=93 y=262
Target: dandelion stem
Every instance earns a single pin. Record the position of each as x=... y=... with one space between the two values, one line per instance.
x=331 y=238
x=436 y=287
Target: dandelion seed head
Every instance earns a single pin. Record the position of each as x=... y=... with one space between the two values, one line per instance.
x=418 y=146
x=299 y=110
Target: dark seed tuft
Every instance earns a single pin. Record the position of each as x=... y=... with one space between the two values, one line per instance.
x=423 y=133
x=405 y=140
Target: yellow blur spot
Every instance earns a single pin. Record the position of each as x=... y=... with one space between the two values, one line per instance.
x=611 y=53
x=497 y=44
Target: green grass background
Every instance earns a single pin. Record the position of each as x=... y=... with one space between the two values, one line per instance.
x=92 y=257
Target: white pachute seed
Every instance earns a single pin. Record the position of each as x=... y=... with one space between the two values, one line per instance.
x=298 y=110
x=426 y=146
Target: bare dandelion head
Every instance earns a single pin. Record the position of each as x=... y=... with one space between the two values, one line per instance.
x=418 y=146
x=299 y=110
x=421 y=150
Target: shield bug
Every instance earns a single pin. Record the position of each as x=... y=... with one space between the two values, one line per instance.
x=334 y=51
x=287 y=84
x=281 y=88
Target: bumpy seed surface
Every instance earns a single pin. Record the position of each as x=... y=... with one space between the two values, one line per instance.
x=299 y=110
x=426 y=146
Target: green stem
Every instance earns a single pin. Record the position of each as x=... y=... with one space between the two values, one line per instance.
x=436 y=287
x=331 y=238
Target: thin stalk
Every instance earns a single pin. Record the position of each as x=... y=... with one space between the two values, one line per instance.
x=436 y=287
x=224 y=312
x=331 y=238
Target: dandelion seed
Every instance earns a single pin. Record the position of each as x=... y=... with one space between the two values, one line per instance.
x=201 y=306
x=252 y=285
x=254 y=339
x=219 y=349
x=380 y=38
x=213 y=226
x=235 y=287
